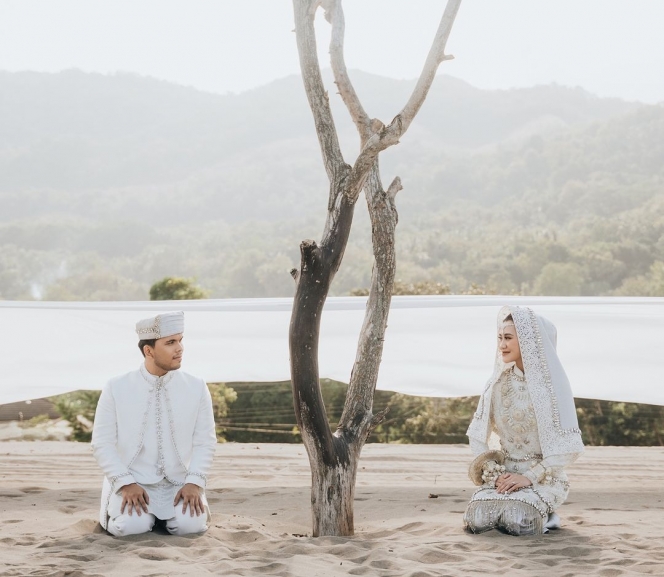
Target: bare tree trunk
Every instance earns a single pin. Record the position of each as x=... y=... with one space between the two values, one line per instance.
x=334 y=456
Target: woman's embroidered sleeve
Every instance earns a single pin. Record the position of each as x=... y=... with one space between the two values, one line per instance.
x=550 y=468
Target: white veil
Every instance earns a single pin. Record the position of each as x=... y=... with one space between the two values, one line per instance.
x=549 y=388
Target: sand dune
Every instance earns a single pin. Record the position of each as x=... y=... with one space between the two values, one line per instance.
x=49 y=495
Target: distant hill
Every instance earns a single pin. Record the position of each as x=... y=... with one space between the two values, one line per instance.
x=76 y=130
x=598 y=168
x=108 y=183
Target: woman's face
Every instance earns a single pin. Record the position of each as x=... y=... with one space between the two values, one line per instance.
x=508 y=343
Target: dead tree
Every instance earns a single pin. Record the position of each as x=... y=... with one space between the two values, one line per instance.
x=334 y=456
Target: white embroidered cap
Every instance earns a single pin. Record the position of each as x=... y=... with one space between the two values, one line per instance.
x=163 y=325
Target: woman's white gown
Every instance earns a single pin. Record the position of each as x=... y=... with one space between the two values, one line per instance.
x=528 y=510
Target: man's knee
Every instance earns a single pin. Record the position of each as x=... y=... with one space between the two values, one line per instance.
x=125 y=524
x=185 y=524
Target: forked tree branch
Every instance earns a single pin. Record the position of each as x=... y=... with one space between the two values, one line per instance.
x=305 y=13
x=390 y=135
x=435 y=57
x=357 y=420
x=335 y=15
x=394 y=188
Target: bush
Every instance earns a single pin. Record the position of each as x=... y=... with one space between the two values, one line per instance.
x=79 y=409
x=176 y=289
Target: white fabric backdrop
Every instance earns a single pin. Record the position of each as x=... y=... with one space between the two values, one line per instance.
x=612 y=348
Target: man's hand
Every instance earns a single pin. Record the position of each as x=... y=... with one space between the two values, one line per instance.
x=190 y=494
x=135 y=497
x=510 y=482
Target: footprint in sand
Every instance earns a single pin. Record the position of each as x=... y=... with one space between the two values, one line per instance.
x=611 y=572
x=11 y=495
x=358 y=559
x=293 y=550
x=31 y=490
x=273 y=568
x=383 y=564
x=82 y=558
x=434 y=557
x=86 y=527
x=153 y=556
x=27 y=540
x=360 y=571
x=622 y=562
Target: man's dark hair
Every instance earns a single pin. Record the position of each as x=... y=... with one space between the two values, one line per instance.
x=149 y=342
x=507 y=318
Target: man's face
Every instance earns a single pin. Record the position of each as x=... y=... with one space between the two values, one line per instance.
x=167 y=352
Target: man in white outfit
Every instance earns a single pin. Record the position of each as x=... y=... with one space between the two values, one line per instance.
x=154 y=438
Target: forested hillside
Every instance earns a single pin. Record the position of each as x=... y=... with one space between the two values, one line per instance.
x=108 y=183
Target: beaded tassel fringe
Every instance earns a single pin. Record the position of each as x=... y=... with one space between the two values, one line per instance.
x=513 y=517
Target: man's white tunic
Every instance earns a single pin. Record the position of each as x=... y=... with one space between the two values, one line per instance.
x=153 y=431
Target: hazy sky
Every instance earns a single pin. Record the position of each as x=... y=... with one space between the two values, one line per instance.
x=609 y=47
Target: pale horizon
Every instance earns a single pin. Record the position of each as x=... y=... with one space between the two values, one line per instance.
x=297 y=74
x=605 y=47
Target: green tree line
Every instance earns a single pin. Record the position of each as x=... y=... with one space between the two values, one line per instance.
x=263 y=413
x=574 y=211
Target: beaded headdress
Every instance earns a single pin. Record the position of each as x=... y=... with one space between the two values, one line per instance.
x=163 y=325
x=506 y=323
x=547 y=383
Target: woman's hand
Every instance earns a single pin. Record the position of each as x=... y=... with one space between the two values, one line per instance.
x=510 y=482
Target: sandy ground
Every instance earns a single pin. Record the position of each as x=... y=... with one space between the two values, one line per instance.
x=612 y=523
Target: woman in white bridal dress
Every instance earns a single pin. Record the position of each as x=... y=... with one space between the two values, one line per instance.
x=528 y=408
